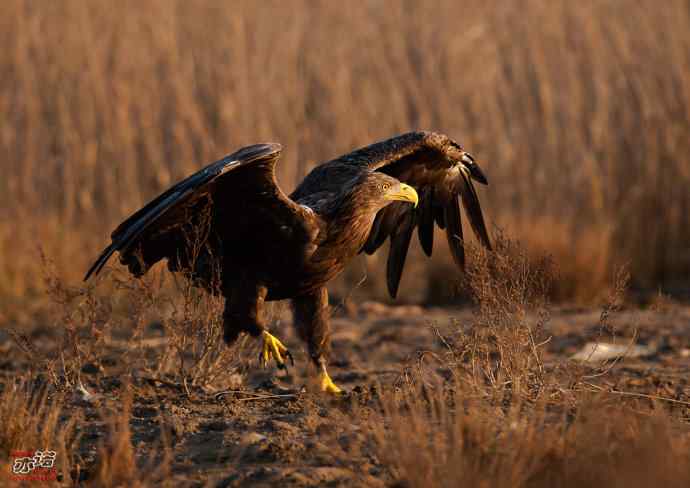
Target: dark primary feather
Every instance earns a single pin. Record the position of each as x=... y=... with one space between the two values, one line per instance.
x=400 y=243
x=470 y=201
x=157 y=226
x=454 y=231
x=437 y=168
x=425 y=226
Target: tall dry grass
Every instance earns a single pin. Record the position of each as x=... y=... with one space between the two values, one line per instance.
x=580 y=113
x=601 y=443
x=30 y=420
x=117 y=458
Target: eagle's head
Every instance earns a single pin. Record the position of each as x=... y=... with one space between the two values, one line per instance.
x=375 y=190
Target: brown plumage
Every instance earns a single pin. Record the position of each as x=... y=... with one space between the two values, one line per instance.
x=232 y=229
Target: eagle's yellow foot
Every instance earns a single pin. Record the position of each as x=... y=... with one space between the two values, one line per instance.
x=327 y=384
x=273 y=348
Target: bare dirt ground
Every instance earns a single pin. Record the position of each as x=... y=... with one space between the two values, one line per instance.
x=297 y=437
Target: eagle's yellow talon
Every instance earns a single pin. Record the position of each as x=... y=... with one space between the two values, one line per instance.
x=327 y=384
x=273 y=348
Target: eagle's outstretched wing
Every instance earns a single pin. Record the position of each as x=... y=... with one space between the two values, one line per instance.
x=246 y=206
x=440 y=171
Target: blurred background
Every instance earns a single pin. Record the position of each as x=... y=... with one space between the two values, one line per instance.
x=579 y=113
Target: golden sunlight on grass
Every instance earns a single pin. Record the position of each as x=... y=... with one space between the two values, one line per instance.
x=579 y=113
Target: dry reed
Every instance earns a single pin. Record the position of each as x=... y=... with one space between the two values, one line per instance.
x=579 y=113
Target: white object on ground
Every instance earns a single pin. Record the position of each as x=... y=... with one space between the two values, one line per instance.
x=601 y=351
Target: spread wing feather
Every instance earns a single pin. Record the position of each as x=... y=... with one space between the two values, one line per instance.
x=247 y=175
x=470 y=201
x=400 y=243
x=425 y=226
x=439 y=170
x=452 y=217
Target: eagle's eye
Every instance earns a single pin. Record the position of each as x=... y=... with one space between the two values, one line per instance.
x=385 y=186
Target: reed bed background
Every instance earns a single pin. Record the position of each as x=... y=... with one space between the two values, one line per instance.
x=579 y=113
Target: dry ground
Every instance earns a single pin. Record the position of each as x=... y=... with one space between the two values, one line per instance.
x=193 y=438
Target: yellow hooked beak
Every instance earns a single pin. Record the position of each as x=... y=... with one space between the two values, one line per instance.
x=404 y=193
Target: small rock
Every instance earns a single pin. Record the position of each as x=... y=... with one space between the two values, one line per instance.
x=369 y=308
x=252 y=438
x=299 y=479
x=328 y=474
x=235 y=381
x=278 y=426
x=373 y=308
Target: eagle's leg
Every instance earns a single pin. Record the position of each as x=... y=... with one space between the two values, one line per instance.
x=311 y=317
x=244 y=313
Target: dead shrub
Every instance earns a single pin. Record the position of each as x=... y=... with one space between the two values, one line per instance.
x=112 y=316
x=501 y=347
